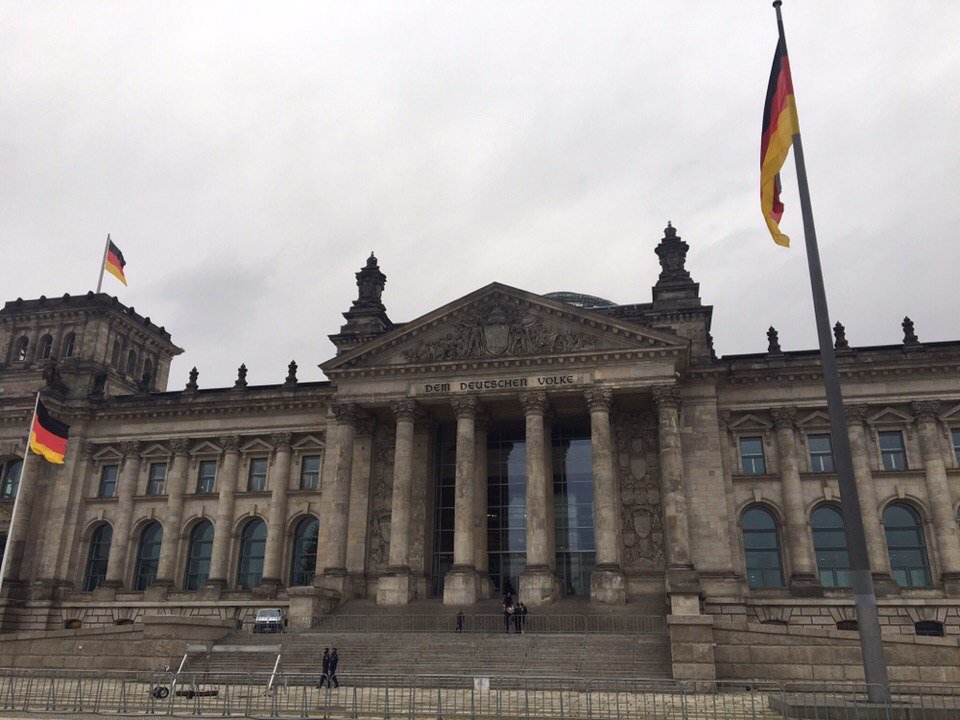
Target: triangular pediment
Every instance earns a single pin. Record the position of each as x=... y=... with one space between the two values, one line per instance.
x=750 y=422
x=889 y=415
x=817 y=418
x=256 y=446
x=497 y=324
x=155 y=450
x=205 y=447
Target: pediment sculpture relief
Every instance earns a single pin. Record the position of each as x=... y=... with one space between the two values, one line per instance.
x=497 y=328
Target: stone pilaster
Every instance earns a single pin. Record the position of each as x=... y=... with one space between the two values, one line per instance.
x=804 y=580
x=227 y=480
x=460 y=584
x=938 y=495
x=129 y=473
x=682 y=582
x=396 y=588
x=16 y=574
x=277 y=516
x=883 y=581
x=538 y=582
x=336 y=505
x=481 y=561
x=607 y=583
x=173 y=517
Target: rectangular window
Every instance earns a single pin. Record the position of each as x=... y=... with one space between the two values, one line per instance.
x=257 y=476
x=956 y=444
x=892 y=450
x=310 y=472
x=156 y=478
x=207 y=476
x=821 y=453
x=108 y=481
x=751 y=456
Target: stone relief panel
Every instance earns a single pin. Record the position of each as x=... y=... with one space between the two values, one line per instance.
x=635 y=437
x=378 y=537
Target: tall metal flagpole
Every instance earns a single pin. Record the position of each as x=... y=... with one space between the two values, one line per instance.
x=16 y=499
x=865 y=599
x=103 y=263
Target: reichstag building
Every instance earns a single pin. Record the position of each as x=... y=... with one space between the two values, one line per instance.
x=554 y=445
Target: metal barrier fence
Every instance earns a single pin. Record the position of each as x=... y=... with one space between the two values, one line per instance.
x=63 y=694
x=491 y=623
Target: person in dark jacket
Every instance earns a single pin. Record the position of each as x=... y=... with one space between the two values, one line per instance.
x=334 y=661
x=507 y=614
x=518 y=617
x=325 y=677
x=460 y=621
x=523 y=618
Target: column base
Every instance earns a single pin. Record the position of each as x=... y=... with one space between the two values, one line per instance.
x=267 y=588
x=884 y=585
x=951 y=584
x=335 y=584
x=396 y=587
x=608 y=585
x=460 y=586
x=306 y=603
x=805 y=585
x=107 y=592
x=158 y=591
x=686 y=604
x=212 y=589
x=484 y=585
x=538 y=585
x=683 y=579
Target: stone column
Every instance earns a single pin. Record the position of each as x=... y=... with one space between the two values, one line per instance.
x=277 y=517
x=538 y=582
x=481 y=559
x=173 y=518
x=395 y=588
x=223 y=523
x=17 y=573
x=460 y=584
x=804 y=580
x=129 y=474
x=607 y=583
x=683 y=585
x=938 y=495
x=336 y=506
x=358 y=522
x=883 y=581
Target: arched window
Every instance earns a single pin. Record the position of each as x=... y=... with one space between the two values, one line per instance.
x=761 y=547
x=20 y=350
x=198 y=556
x=148 y=556
x=304 y=560
x=830 y=544
x=908 y=552
x=69 y=345
x=253 y=545
x=131 y=362
x=98 y=557
x=45 y=347
x=147 y=369
x=10 y=478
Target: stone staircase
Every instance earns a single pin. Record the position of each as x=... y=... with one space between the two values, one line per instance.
x=630 y=643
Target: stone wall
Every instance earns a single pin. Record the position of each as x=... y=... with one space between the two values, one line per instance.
x=768 y=652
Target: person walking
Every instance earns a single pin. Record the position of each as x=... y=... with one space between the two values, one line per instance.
x=460 y=621
x=523 y=619
x=334 y=661
x=325 y=677
x=517 y=617
x=507 y=612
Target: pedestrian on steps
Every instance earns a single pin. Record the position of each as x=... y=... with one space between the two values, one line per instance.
x=523 y=618
x=325 y=677
x=507 y=613
x=459 y=621
x=334 y=661
x=518 y=617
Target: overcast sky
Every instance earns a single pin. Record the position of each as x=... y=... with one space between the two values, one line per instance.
x=248 y=157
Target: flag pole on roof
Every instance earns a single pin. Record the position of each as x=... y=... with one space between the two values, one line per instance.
x=779 y=122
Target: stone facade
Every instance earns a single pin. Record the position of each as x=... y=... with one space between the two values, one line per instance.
x=211 y=502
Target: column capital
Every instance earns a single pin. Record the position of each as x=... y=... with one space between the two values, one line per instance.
x=598 y=398
x=230 y=443
x=346 y=412
x=465 y=406
x=281 y=441
x=180 y=446
x=925 y=409
x=534 y=402
x=85 y=450
x=130 y=449
x=666 y=396
x=405 y=409
x=855 y=414
x=784 y=417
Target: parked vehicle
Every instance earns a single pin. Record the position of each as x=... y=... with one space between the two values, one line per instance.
x=268 y=620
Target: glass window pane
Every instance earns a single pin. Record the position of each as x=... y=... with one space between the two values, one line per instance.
x=207 y=476
x=11 y=478
x=304 y=559
x=253 y=543
x=98 y=557
x=108 y=481
x=199 y=553
x=761 y=542
x=148 y=556
x=310 y=472
x=156 y=478
x=906 y=547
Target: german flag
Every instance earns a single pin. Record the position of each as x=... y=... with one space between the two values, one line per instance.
x=114 y=262
x=48 y=436
x=780 y=124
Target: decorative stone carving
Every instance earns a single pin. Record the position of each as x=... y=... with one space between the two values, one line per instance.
x=381 y=498
x=145 y=383
x=496 y=328
x=291 y=380
x=773 y=342
x=672 y=252
x=784 y=417
x=666 y=395
x=180 y=446
x=230 y=443
x=909 y=336
x=370 y=282
x=598 y=398
x=405 y=409
x=345 y=412
x=130 y=449
x=638 y=460
x=926 y=409
x=840 y=337
x=465 y=405
x=281 y=441
x=534 y=402
x=241 y=377
x=192 y=382
x=855 y=413
x=53 y=382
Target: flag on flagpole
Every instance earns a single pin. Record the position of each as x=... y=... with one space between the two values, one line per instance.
x=114 y=263
x=780 y=124
x=48 y=436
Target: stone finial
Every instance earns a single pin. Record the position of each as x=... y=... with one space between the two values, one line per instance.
x=672 y=252
x=241 y=377
x=192 y=382
x=909 y=336
x=598 y=398
x=840 y=337
x=291 y=380
x=370 y=282
x=773 y=342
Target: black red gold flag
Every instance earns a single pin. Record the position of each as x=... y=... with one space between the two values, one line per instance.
x=780 y=124
x=48 y=436
x=114 y=262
